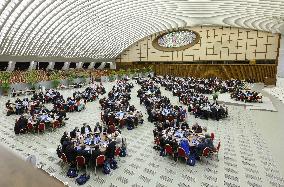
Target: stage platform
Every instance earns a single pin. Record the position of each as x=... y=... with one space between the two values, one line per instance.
x=266 y=105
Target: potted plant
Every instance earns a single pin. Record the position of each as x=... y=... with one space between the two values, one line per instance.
x=31 y=78
x=55 y=83
x=5 y=81
x=55 y=79
x=5 y=88
x=121 y=73
x=111 y=76
x=71 y=76
x=84 y=76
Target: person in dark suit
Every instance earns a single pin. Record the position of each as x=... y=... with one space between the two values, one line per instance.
x=71 y=153
x=73 y=133
x=64 y=138
x=175 y=146
x=110 y=150
x=86 y=129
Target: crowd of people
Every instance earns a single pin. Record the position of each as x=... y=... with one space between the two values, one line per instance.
x=172 y=133
x=191 y=92
x=246 y=96
x=116 y=109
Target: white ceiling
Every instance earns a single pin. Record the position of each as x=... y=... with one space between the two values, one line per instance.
x=101 y=29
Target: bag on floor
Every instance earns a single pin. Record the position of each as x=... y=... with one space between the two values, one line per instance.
x=191 y=160
x=106 y=168
x=124 y=143
x=59 y=151
x=82 y=179
x=122 y=153
x=129 y=127
x=72 y=173
x=113 y=164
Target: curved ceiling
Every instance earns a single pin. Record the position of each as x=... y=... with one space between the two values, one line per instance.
x=101 y=29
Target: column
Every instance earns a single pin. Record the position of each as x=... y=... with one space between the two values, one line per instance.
x=91 y=66
x=66 y=66
x=33 y=65
x=11 y=66
x=102 y=66
x=112 y=65
x=79 y=65
x=280 y=68
x=50 y=66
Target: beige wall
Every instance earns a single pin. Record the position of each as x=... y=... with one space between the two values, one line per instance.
x=216 y=43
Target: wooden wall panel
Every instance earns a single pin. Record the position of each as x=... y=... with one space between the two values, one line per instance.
x=226 y=71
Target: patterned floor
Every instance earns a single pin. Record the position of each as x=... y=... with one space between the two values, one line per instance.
x=245 y=158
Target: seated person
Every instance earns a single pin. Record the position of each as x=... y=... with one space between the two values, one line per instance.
x=185 y=145
x=14 y=93
x=96 y=138
x=71 y=153
x=86 y=129
x=110 y=150
x=9 y=108
x=73 y=134
x=197 y=128
x=98 y=128
x=88 y=140
x=118 y=139
x=64 y=138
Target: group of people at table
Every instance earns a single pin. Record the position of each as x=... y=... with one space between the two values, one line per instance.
x=89 y=144
x=172 y=133
x=246 y=96
x=38 y=118
x=116 y=109
x=191 y=92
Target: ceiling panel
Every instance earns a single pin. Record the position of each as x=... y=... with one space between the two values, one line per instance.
x=101 y=29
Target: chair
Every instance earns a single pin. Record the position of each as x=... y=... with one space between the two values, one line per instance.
x=212 y=136
x=111 y=121
x=94 y=97
x=55 y=124
x=181 y=153
x=157 y=141
x=71 y=108
x=117 y=152
x=30 y=127
x=64 y=159
x=122 y=123
x=112 y=128
x=41 y=127
x=100 y=160
x=168 y=149
x=81 y=162
x=216 y=150
x=205 y=153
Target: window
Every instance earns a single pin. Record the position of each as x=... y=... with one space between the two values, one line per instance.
x=177 y=39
